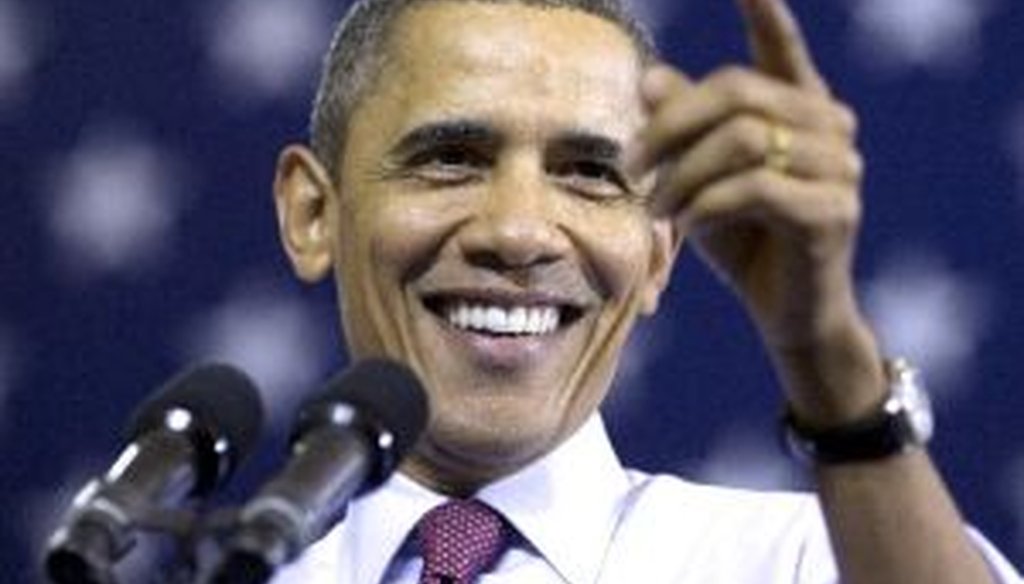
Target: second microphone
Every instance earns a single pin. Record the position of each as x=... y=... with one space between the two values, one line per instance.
x=347 y=439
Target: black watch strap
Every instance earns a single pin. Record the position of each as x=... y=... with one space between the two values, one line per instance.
x=902 y=421
x=879 y=437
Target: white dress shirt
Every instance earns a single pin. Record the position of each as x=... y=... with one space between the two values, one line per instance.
x=582 y=518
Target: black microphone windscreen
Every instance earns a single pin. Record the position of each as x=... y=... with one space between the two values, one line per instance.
x=224 y=402
x=387 y=392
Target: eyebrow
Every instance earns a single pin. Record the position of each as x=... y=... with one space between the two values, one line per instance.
x=433 y=134
x=572 y=142
x=587 y=144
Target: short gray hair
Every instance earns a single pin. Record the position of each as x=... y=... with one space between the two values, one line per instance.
x=357 y=50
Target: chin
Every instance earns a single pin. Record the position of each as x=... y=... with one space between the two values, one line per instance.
x=493 y=445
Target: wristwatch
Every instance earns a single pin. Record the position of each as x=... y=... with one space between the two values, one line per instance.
x=903 y=421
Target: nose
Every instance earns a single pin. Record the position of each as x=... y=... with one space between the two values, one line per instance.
x=516 y=224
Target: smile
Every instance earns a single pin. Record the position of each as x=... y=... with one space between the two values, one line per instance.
x=504 y=317
x=499 y=320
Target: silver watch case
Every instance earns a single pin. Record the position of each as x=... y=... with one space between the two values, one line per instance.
x=910 y=399
x=902 y=422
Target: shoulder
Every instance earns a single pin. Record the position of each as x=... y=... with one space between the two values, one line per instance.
x=676 y=494
x=733 y=534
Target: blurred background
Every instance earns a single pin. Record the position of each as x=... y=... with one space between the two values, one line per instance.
x=137 y=147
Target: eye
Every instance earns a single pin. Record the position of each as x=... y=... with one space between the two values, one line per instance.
x=448 y=164
x=591 y=170
x=592 y=178
x=451 y=156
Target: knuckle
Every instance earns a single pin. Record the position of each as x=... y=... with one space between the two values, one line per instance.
x=669 y=120
x=726 y=75
x=854 y=167
x=764 y=183
x=847 y=211
x=846 y=119
x=734 y=83
x=746 y=140
x=839 y=215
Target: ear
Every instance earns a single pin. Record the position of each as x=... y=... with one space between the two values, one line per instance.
x=667 y=240
x=302 y=195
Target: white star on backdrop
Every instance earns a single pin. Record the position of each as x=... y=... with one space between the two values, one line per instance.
x=935 y=34
x=276 y=339
x=746 y=459
x=116 y=197
x=21 y=40
x=930 y=314
x=267 y=48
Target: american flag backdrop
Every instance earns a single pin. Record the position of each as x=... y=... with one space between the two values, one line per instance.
x=137 y=146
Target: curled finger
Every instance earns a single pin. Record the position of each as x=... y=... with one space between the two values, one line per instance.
x=780 y=203
x=682 y=118
x=749 y=143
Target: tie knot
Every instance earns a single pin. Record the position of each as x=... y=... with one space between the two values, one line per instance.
x=458 y=540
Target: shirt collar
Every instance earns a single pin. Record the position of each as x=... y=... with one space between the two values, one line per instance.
x=568 y=503
x=379 y=523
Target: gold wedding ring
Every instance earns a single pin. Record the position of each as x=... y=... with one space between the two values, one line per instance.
x=779 y=154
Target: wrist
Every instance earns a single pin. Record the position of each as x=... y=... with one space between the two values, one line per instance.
x=837 y=378
x=902 y=421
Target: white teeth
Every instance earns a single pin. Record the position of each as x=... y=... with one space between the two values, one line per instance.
x=534 y=320
x=517 y=320
x=497 y=320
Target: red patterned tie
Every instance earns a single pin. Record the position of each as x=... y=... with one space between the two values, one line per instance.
x=458 y=540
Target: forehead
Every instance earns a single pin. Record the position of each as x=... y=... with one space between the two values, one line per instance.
x=512 y=63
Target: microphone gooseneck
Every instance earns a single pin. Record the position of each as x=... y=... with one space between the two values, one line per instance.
x=184 y=441
x=348 y=438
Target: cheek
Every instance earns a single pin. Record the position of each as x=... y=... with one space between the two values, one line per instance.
x=397 y=236
x=617 y=244
x=382 y=243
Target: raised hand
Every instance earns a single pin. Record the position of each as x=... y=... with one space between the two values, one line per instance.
x=758 y=167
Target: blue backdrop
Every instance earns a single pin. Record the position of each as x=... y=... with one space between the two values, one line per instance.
x=137 y=144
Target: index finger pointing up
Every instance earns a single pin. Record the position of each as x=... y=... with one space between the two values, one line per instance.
x=778 y=45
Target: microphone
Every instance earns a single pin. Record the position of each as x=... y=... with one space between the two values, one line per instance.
x=184 y=441
x=347 y=440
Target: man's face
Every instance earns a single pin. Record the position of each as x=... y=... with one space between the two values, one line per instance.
x=483 y=232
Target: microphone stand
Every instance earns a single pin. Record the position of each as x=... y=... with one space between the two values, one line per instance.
x=195 y=539
x=198 y=542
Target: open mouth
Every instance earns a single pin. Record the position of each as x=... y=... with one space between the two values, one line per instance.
x=502 y=318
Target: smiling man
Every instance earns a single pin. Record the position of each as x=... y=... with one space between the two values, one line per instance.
x=500 y=190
